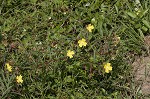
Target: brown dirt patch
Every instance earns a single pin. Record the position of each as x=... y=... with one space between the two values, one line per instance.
x=141 y=69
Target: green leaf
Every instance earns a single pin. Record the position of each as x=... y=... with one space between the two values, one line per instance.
x=68 y=79
x=138 y=26
x=144 y=28
x=116 y=9
x=131 y=14
x=33 y=1
x=0 y=37
x=143 y=13
x=6 y=29
x=146 y=23
x=141 y=34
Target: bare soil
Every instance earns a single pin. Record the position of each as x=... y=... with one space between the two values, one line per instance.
x=141 y=69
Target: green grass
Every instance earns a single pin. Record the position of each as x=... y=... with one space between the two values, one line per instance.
x=36 y=34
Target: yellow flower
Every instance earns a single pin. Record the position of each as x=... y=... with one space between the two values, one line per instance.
x=89 y=27
x=107 y=67
x=70 y=53
x=8 y=67
x=19 y=79
x=82 y=42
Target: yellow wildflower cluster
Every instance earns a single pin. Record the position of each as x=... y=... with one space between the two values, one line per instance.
x=18 y=78
x=82 y=42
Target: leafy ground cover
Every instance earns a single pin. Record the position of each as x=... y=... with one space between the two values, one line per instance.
x=71 y=49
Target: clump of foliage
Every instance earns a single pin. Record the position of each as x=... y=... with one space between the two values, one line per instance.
x=70 y=49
